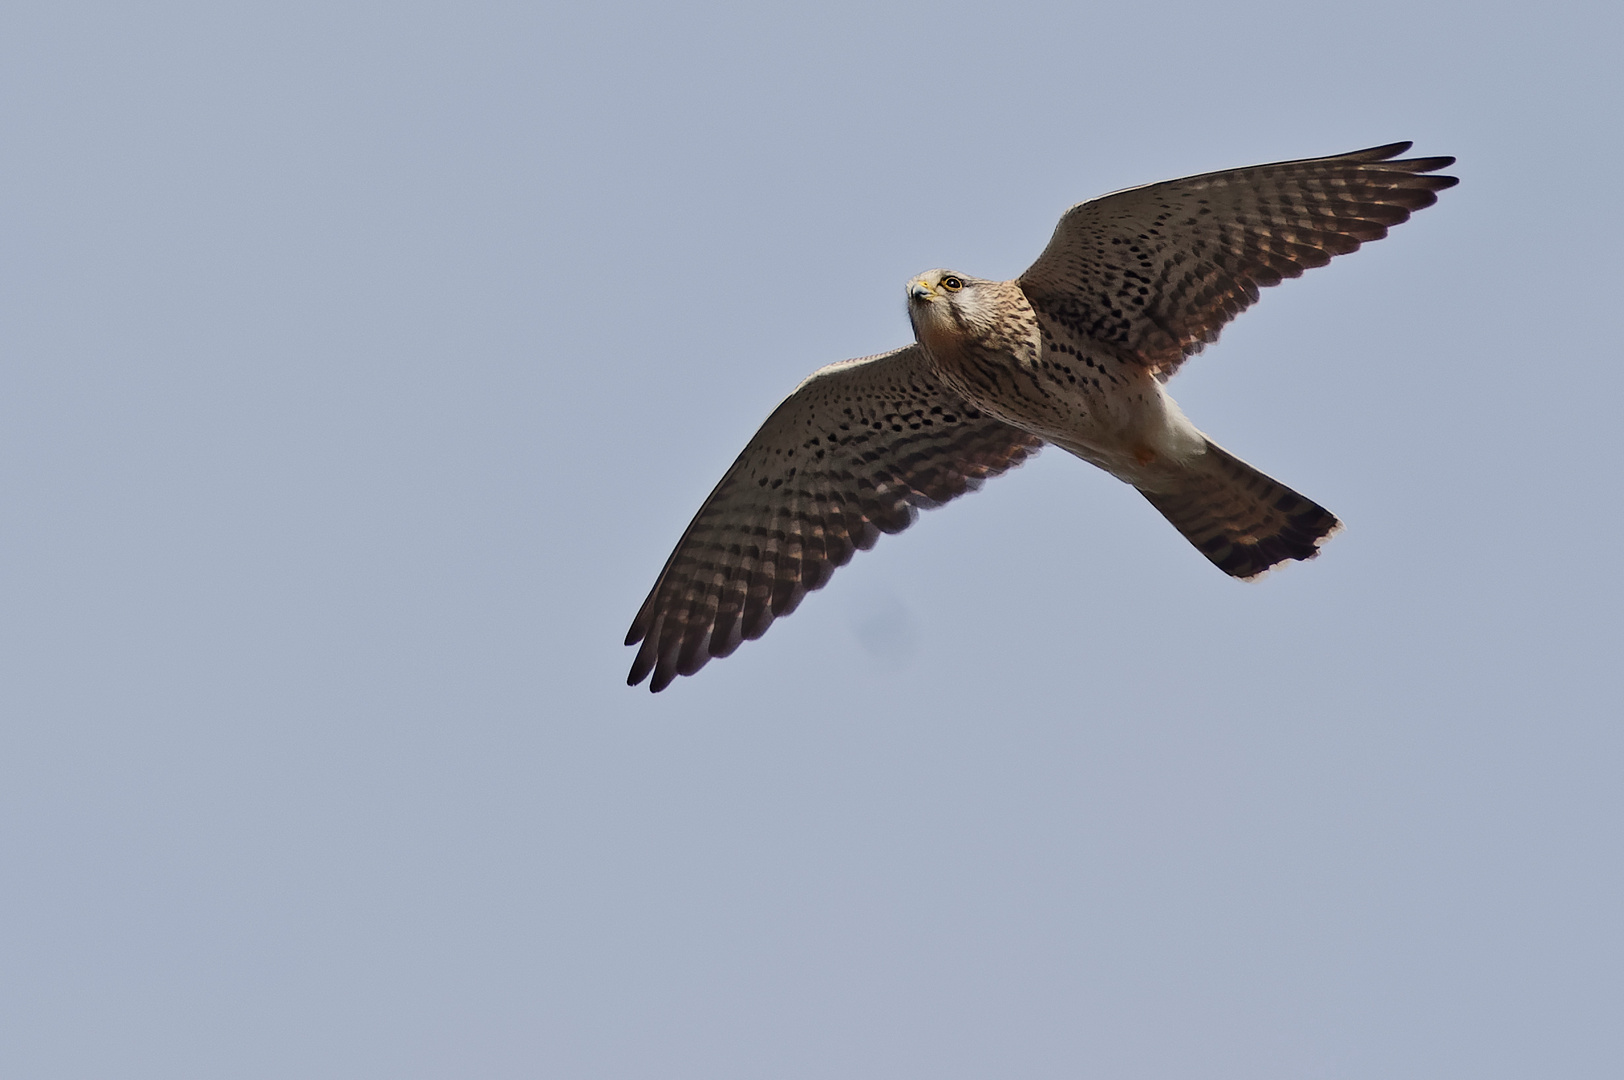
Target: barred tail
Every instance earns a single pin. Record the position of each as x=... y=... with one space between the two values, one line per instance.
x=1240 y=519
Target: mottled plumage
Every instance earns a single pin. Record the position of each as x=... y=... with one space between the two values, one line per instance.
x=1073 y=352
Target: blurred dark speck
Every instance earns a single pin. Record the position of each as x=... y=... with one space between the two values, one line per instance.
x=884 y=627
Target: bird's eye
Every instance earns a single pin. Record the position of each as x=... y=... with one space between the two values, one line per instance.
x=952 y=284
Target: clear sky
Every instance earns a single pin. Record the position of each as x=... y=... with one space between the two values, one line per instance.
x=362 y=362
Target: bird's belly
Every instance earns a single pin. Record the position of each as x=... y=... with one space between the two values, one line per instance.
x=1111 y=413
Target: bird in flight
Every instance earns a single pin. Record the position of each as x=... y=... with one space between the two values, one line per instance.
x=1073 y=352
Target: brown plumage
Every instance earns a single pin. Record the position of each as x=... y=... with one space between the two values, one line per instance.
x=856 y=451
x=1072 y=352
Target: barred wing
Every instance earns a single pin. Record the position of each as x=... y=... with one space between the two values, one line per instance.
x=1161 y=269
x=855 y=451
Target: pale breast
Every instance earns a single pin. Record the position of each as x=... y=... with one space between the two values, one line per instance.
x=1070 y=390
x=1120 y=417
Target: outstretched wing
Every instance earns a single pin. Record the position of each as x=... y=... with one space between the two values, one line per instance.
x=855 y=451
x=1160 y=269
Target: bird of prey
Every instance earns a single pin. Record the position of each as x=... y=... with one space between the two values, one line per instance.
x=1073 y=352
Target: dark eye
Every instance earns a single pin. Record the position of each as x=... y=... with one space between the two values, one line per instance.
x=952 y=284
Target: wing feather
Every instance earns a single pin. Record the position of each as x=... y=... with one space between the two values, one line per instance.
x=1160 y=269
x=856 y=451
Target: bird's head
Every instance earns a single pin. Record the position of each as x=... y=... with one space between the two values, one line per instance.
x=936 y=286
x=942 y=303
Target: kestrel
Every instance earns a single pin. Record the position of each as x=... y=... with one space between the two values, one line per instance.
x=1073 y=352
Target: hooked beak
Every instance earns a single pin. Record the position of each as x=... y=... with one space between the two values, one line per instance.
x=918 y=290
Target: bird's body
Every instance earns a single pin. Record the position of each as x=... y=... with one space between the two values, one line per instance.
x=988 y=345
x=1075 y=352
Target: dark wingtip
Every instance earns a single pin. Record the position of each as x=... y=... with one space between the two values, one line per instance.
x=645 y=663
x=1383 y=153
x=1420 y=165
x=642 y=665
x=1381 y=158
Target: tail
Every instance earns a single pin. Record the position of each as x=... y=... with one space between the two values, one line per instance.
x=1240 y=519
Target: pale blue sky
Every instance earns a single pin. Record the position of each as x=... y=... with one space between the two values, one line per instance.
x=364 y=361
